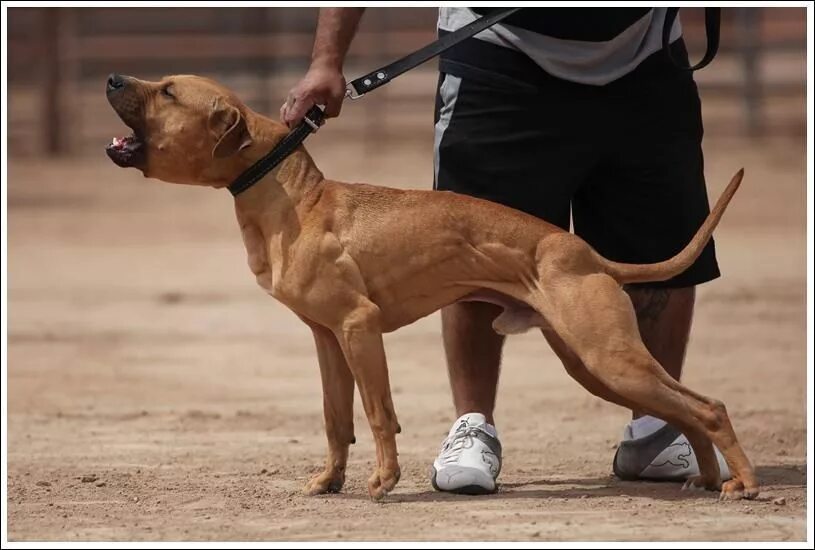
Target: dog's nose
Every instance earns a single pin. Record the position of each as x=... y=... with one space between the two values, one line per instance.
x=115 y=82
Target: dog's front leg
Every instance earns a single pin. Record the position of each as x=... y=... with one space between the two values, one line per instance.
x=338 y=409
x=360 y=337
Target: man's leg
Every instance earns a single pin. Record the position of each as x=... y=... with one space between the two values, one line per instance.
x=644 y=205
x=473 y=352
x=664 y=316
x=491 y=141
x=470 y=459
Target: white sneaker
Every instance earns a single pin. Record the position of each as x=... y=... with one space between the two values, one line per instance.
x=470 y=458
x=663 y=455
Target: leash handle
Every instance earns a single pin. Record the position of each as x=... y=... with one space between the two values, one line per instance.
x=713 y=19
x=373 y=80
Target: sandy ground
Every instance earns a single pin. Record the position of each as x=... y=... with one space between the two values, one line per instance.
x=156 y=393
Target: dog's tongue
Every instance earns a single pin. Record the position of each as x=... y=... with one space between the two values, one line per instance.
x=123 y=142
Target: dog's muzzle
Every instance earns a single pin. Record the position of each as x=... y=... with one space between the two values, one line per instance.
x=126 y=151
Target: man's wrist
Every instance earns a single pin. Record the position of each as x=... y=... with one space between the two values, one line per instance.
x=328 y=62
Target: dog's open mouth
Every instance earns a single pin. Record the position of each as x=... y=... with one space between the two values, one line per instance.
x=126 y=151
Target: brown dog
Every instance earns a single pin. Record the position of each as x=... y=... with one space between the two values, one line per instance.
x=354 y=261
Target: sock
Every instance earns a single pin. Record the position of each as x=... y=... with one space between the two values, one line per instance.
x=644 y=426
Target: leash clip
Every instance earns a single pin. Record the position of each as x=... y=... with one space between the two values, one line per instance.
x=351 y=92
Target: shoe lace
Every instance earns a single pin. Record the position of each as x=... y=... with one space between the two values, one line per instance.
x=454 y=444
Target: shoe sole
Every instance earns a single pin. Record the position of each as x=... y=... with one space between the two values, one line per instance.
x=465 y=490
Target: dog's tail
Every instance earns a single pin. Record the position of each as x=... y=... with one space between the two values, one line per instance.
x=662 y=271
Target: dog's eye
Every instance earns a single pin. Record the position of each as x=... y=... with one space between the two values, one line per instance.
x=167 y=91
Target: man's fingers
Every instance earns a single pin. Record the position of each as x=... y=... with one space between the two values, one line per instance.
x=297 y=107
x=284 y=109
x=298 y=104
x=333 y=107
x=298 y=111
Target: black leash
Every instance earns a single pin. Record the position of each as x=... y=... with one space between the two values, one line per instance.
x=713 y=19
x=373 y=80
x=356 y=89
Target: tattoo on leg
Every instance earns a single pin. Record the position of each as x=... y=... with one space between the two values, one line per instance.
x=649 y=303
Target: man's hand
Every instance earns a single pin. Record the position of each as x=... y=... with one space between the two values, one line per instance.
x=322 y=85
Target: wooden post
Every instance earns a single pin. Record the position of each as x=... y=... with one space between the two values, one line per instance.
x=51 y=119
x=377 y=108
x=749 y=29
x=265 y=27
x=71 y=84
x=247 y=25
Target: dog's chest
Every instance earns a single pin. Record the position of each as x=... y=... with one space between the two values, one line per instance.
x=264 y=255
x=258 y=256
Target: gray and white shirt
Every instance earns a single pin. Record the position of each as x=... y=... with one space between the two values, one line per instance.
x=593 y=46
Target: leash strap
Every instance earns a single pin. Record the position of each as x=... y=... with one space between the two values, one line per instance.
x=713 y=19
x=356 y=89
x=373 y=80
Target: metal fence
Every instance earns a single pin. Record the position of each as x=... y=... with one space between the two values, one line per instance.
x=58 y=58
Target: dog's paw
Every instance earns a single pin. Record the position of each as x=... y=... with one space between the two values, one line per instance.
x=382 y=482
x=326 y=482
x=735 y=490
x=698 y=483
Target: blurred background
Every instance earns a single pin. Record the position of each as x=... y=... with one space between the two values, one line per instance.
x=143 y=353
x=58 y=58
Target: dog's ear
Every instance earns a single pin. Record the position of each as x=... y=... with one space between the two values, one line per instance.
x=227 y=124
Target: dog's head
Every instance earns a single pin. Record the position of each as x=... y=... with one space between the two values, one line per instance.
x=186 y=129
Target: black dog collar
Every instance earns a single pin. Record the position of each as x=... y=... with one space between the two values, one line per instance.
x=311 y=122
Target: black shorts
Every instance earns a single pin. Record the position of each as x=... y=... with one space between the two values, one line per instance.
x=626 y=157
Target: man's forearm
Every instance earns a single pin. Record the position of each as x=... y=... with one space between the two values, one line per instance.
x=324 y=83
x=336 y=28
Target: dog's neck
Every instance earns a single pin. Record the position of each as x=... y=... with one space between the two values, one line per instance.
x=275 y=197
x=296 y=175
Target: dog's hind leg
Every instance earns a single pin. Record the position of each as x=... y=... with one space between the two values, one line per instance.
x=338 y=411
x=595 y=318
x=577 y=370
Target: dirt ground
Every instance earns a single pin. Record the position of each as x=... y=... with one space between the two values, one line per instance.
x=155 y=393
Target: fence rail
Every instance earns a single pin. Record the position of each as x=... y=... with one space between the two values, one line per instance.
x=56 y=52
